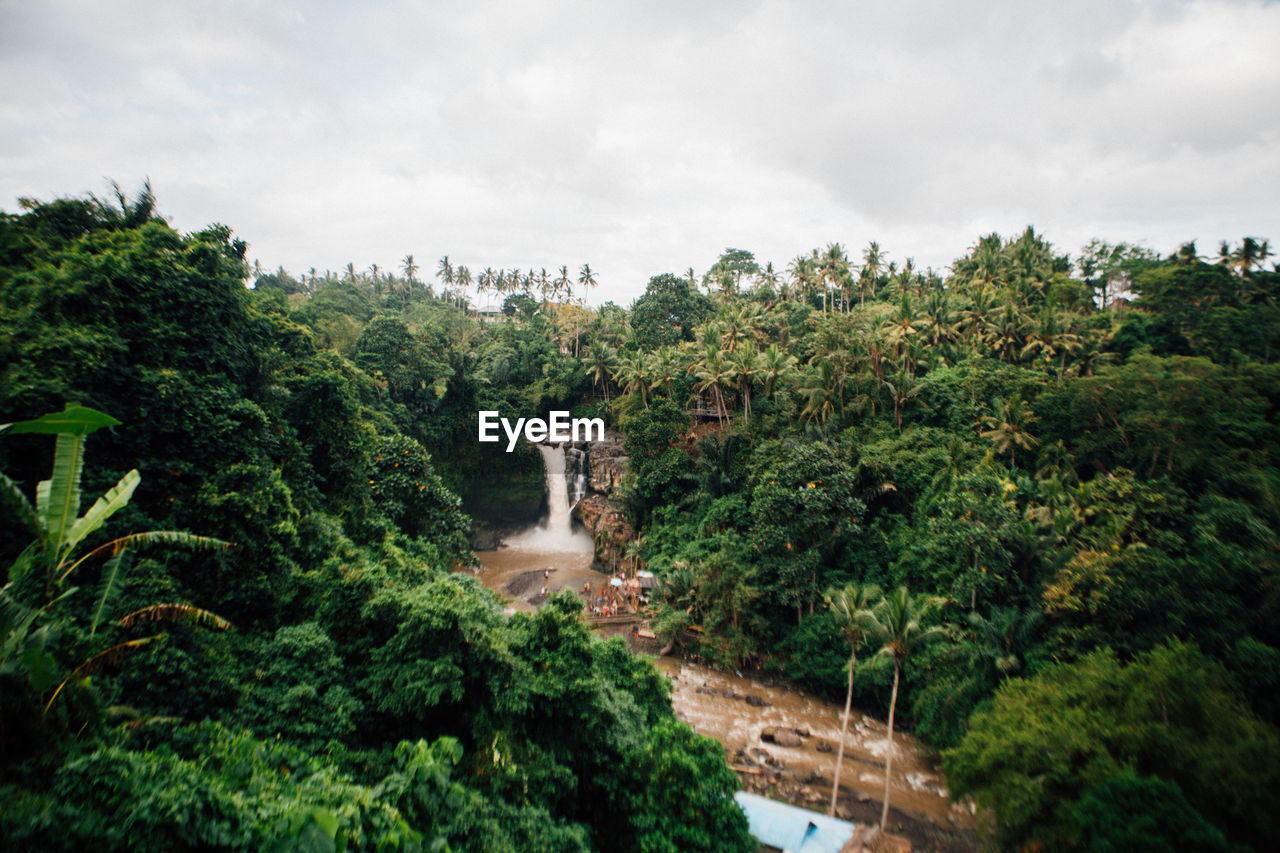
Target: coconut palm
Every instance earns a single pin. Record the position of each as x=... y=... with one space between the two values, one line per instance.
x=631 y=372
x=901 y=390
x=1005 y=635
x=820 y=393
x=600 y=363
x=899 y=627
x=851 y=605
x=1007 y=426
x=664 y=369
x=835 y=269
x=714 y=373
x=409 y=270
x=746 y=365
x=462 y=277
x=776 y=366
x=587 y=279
x=869 y=279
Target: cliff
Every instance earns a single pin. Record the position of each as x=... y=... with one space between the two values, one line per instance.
x=609 y=529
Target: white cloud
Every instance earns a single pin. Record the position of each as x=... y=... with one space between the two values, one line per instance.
x=647 y=137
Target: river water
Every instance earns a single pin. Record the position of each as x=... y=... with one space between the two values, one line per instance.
x=555 y=556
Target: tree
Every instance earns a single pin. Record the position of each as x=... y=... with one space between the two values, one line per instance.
x=587 y=279
x=55 y=519
x=667 y=312
x=410 y=270
x=729 y=269
x=899 y=625
x=714 y=373
x=600 y=360
x=1047 y=741
x=745 y=363
x=631 y=373
x=1134 y=814
x=1007 y=427
x=776 y=366
x=852 y=607
x=821 y=392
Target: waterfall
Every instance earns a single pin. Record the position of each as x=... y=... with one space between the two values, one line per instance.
x=576 y=474
x=555 y=532
x=553 y=472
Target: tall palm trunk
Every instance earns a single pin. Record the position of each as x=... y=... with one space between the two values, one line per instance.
x=844 y=728
x=888 y=755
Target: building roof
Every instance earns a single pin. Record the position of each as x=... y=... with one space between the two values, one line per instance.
x=792 y=828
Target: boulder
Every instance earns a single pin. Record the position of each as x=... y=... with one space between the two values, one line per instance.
x=783 y=736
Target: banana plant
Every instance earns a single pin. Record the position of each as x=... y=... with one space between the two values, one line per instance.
x=55 y=520
x=59 y=530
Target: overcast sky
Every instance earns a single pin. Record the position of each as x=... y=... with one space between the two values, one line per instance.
x=646 y=137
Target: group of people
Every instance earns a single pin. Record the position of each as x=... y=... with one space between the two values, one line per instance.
x=605 y=602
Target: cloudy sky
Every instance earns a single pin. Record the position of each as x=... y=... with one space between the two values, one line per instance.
x=645 y=137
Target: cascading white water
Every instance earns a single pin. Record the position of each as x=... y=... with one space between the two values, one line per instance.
x=555 y=532
x=576 y=460
x=553 y=472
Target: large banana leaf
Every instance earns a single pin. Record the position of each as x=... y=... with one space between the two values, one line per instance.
x=170 y=537
x=108 y=589
x=103 y=508
x=18 y=501
x=146 y=540
x=174 y=613
x=58 y=498
x=74 y=420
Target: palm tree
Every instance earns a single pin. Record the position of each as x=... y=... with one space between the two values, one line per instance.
x=851 y=606
x=563 y=284
x=899 y=626
x=1005 y=335
x=445 y=273
x=799 y=272
x=587 y=279
x=1005 y=635
x=900 y=392
x=745 y=363
x=410 y=270
x=776 y=366
x=632 y=552
x=600 y=365
x=665 y=368
x=714 y=374
x=872 y=261
x=1007 y=426
x=462 y=277
x=631 y=372
x=740 y=324
x=820 y=393
x=835 y=268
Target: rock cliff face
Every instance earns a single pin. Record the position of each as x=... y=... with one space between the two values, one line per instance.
x=606 y=465
x=606 y=462
x=609 y=530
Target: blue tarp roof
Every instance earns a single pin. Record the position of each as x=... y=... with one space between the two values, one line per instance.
x=792 y=828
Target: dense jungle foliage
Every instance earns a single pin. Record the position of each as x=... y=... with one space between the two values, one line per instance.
x=297 y=667
x=1073 y=461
